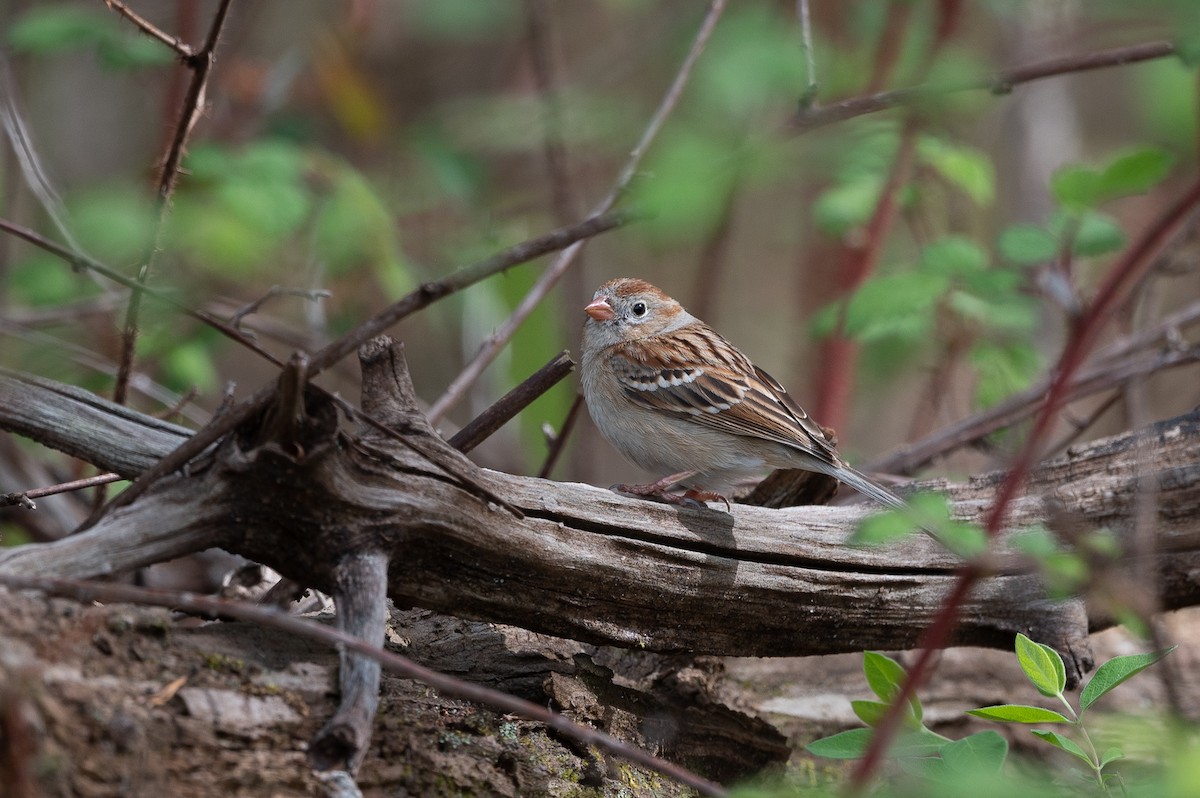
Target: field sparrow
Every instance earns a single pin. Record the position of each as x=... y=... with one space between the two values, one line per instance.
x=673 y=396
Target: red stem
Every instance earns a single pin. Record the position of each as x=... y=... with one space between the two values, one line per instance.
x=838 y=355
x=1124 y=274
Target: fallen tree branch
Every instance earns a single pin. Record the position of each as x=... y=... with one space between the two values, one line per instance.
x=595 y=566
x=392 y=508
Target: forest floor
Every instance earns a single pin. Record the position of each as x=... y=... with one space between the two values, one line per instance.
x=128 y=701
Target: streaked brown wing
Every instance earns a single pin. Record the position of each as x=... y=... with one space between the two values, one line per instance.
x=731 y=395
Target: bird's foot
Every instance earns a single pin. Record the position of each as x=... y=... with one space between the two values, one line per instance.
x=706 y=496
x=660 y=491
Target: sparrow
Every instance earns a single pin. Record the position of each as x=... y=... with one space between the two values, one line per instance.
x=673 y=396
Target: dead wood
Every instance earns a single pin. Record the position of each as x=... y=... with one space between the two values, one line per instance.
x=583 y=563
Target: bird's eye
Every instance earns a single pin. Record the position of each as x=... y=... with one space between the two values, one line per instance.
x=639 y=309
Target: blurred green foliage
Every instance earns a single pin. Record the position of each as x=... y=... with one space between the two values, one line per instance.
x=52 y=29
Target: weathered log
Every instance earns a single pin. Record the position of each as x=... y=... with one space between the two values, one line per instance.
x=591 y=565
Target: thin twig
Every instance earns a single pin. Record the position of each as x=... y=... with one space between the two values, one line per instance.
x=25 y=499
x=559 y=441
x=464 y=277
x=1000 y=82
x=499 y=339
x=78 y=260
x=513 y=402
x=1129 y=268
x=311 y=294
x=1082 y=425
x=147 y=27
x=27 y=156
x=810 y=57
x=200 y=63
x=84 y=591
x=1109 y=369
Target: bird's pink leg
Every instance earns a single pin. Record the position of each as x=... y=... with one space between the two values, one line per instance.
x=660 y=491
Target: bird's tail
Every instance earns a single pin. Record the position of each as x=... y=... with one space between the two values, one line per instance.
x=868 y=487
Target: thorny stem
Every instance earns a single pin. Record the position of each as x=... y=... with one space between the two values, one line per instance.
x=200 y=63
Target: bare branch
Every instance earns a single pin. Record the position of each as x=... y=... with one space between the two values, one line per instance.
x=559 y=440
x=1104 y=375
x=513 y=402
x=25 y=499
x=999 y=83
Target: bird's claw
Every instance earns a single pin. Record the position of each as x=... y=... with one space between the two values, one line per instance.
x=656 y=491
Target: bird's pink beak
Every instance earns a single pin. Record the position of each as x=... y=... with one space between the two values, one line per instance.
x=600 y=310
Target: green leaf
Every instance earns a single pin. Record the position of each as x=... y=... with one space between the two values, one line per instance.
x=751 y=63
x=1003 y=369
x=884 y=674
x=965 y=540
x=917 y=742
x=1018 y=713
x=881 y=528
x=850 y=744
x=1027 y=243
x=39 y=278
x=1111 y=755
x=1065 y=743
x=952 y=256
x=1187 y=48
x=1042 y=665
x=189 y=364
x=825 y=321
x=1076 y=187
x=1065 y=572
x=51 y=29
x=686 y=186
x=1097 y=234
x=354 y=229
x=894 y=306
x=927 y=769
x=1134 y=172
x=461 y=20
x=853 y=744
x=1035 y=541
x=1116 y=671
x=115 y=222
x=965 y=167
x=869 y=712
x=978 y=755
x=847 y=205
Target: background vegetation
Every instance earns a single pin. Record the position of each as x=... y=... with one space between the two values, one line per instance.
x=898 y=270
